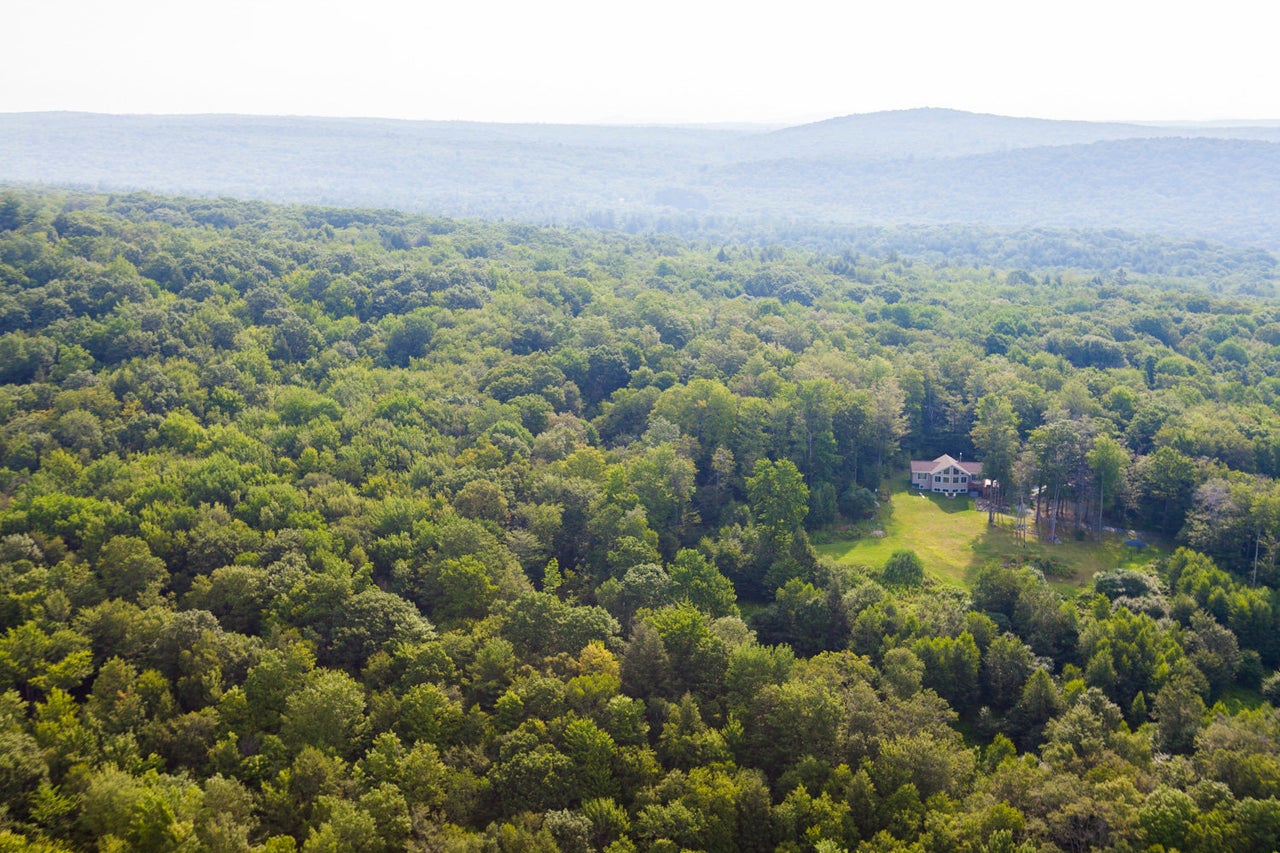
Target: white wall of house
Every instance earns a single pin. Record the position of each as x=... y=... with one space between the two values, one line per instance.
x=949 y=480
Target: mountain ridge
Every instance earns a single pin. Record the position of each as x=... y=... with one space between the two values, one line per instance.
x=901 y=167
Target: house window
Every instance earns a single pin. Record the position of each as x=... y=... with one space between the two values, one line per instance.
x=937 y=478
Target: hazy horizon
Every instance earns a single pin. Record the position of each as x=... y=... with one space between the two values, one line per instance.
x=666 y=63
x=745 y=125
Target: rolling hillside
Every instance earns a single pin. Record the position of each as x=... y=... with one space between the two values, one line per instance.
x=907 y=167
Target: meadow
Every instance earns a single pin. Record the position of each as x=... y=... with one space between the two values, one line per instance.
x=953 y=539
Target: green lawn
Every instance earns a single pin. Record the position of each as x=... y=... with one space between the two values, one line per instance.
x=952 y=539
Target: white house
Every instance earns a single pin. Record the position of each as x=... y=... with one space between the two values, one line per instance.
x=947 y=475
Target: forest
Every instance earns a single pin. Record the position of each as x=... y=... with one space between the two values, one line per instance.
x=331 y=529
x=894 y=168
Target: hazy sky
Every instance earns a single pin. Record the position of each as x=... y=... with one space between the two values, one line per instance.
x=652 y=61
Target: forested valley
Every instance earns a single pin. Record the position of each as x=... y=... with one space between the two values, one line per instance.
x=895 y=168
x=351 y=530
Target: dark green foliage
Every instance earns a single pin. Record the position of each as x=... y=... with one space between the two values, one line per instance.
x=857 y=502
x=354 y=530
x=903 y=568
x=803 y=617
x=778 y=495
x=541 y=624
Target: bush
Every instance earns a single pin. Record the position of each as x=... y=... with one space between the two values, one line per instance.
x=1271 y=688
x=857 y=502
x=903 y=568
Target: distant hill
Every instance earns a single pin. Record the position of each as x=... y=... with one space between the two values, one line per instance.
x=1224 y=189
x=906 y=167
x=933 y=133
x=929 y=133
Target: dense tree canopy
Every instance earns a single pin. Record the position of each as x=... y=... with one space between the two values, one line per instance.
x=329 y=529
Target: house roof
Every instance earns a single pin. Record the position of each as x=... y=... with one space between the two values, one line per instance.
x=945 y=461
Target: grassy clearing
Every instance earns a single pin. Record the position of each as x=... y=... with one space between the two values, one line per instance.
x=953 y=539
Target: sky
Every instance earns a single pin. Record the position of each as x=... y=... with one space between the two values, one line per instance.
x=656 y=62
